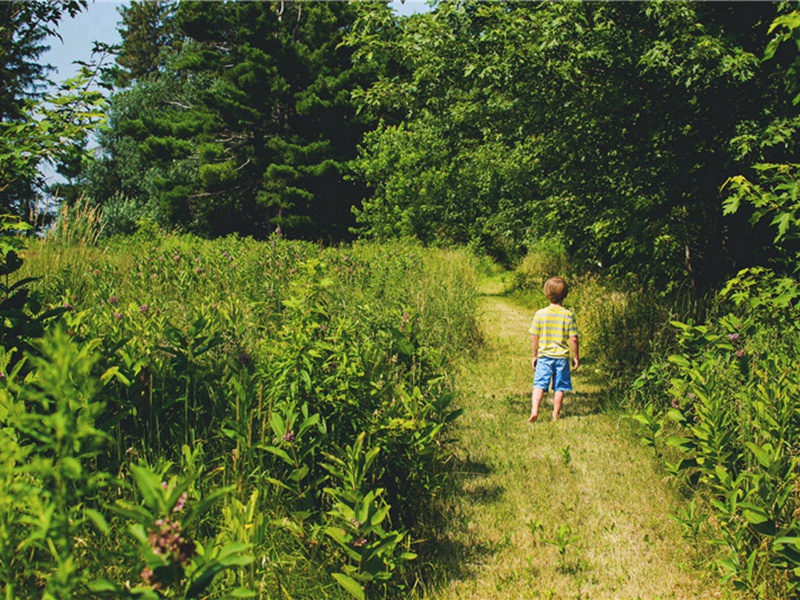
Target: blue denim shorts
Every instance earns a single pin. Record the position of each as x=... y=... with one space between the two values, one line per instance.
x=555 y=370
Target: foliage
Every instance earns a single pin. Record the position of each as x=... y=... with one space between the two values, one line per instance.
x=49 y=444
x=21 y=311
x=595 y=123
x=243 y=123
x=147 y=31
x=34 y=128
x=321 y=358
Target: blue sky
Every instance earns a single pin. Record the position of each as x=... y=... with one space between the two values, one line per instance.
x=99 y=23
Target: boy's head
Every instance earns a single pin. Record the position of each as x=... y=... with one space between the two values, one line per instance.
x=556 y=289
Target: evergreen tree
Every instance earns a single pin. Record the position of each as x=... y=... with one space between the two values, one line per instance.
x=247 y=128
x=147 y=35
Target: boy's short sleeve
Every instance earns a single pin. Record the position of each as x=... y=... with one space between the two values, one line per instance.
x=572 y=326
x=535 y=326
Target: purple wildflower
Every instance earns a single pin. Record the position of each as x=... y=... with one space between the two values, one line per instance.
x=244 y=359
x=143 y=309
x=198 y=270
x=675 y=403
x=288 y=436
x=734 y=337
x=740 y=353
x=118 y=316
x=113 y=299
x=360 y=542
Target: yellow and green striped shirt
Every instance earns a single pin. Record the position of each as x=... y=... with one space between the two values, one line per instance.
x=554 y=325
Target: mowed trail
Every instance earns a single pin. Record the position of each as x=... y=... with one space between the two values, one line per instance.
x=570 y=509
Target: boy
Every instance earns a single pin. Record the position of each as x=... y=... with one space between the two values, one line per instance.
x=554 y=333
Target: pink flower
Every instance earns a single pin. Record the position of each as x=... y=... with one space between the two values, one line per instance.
x=180 y=503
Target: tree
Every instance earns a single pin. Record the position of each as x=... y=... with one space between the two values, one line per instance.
x=148 y=34
x=24 y=25
x=247 y=126
x=607 y=122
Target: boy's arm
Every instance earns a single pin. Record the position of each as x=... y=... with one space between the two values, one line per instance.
x=535 y=348
x=573 y=344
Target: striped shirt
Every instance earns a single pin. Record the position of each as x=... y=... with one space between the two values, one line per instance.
x=554 y=325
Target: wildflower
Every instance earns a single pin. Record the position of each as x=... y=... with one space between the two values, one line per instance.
x=164 y=485
x=2 y=376
x=288 y=436
x=406 y=317
x=118 y=316
x=360 y=542
x=198 y=270
x=180 y=503
x=213 y=306
x=244 y=359
x=168 y=541
x=675 y=403
x=143 y=309
x=149 y=578
x=734 y=337
x=740 y=353
x=67 y=305
x=113 y=300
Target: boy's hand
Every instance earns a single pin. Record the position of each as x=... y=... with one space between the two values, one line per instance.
x=575 y=362
x=533 y=363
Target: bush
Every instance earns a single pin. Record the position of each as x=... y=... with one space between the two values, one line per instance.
x=311 y=379
x=546 y=258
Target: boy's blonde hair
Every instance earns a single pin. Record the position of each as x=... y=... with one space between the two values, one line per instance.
x=556 y=289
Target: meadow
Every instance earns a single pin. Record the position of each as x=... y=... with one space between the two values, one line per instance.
x=190 y=419
x=185 y=418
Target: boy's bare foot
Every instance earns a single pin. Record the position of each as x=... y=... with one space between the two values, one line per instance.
x=532 y=418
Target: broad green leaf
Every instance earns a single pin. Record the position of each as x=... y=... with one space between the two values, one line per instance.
x=350 y=585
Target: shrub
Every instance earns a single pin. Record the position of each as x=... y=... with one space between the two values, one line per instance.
x=279 y=359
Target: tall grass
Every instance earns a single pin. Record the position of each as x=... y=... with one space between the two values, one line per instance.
x=311 y=384
x=79 y=224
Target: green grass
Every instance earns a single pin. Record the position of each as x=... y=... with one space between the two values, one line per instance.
x=571 y=509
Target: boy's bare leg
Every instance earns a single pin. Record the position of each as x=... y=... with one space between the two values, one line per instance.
x=536 y=399
x=558 y=400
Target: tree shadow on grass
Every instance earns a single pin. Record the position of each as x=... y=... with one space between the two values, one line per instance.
x=450 y=552
x=576 y=404
x=581 y=404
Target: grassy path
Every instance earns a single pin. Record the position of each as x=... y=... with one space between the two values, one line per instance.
x=584 y=483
